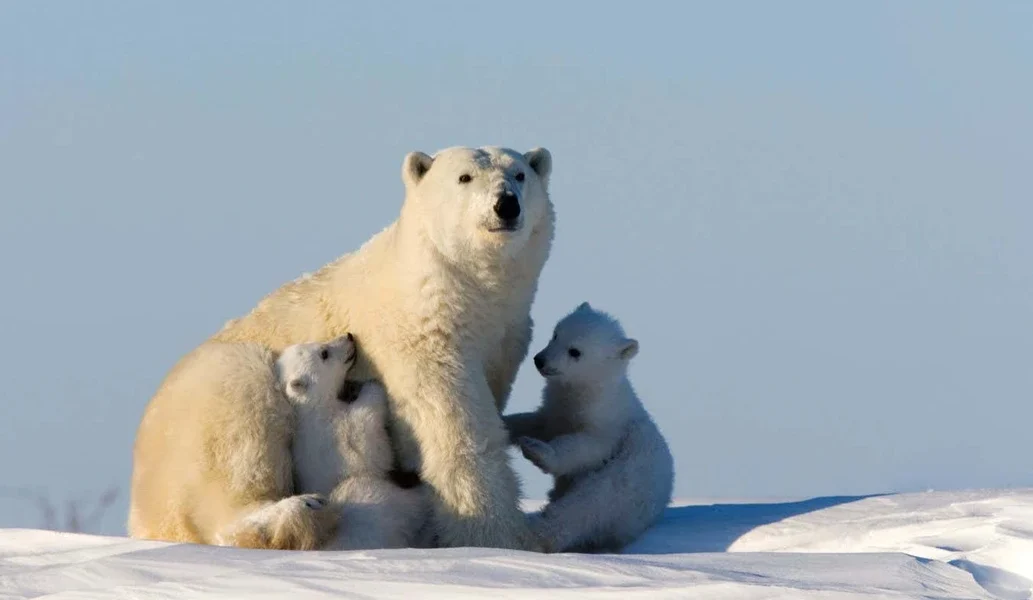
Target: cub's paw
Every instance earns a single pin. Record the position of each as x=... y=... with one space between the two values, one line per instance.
x=538 y=452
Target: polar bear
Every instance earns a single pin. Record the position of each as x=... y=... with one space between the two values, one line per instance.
x=439 y=302
x=341 y=448
x=612 y=468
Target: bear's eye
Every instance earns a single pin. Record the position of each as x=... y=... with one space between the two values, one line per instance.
x=520 y=176
x=324 y=354
x=465 y=178
x=574 y=353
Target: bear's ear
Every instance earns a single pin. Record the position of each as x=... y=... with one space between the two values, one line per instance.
x=415 y=167
x=584 y=306
x=541 y=161
x=629 y=348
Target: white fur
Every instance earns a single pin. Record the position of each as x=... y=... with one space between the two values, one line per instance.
x=440 y=304
x=376 y=513
x=341 y=449
x=613 y=472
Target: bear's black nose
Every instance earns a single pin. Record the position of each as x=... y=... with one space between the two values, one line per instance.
x=507 y=207
x=539 y=361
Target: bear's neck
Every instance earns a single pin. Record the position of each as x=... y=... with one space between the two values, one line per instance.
x=474 y=290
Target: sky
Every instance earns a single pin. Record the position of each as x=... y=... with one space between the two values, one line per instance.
x=815 y=217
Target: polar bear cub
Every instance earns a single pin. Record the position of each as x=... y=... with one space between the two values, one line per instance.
x=613 y=472
x=341 y=447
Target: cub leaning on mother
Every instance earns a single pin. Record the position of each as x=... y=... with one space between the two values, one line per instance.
x=439 y=303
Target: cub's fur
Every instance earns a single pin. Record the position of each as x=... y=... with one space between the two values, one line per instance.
x=341 y=448
x=612 y=469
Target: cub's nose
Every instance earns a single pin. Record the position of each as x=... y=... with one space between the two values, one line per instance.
x=539 y=361
x=507 y=207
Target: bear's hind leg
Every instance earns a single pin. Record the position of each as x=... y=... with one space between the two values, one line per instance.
x=301 y=522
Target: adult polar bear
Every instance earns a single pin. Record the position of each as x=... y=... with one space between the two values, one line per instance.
x=439 y=304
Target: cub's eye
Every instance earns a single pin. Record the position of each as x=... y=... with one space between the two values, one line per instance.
x=574 y=353
x=324 y=354
x=520 y=176
x=465 y=178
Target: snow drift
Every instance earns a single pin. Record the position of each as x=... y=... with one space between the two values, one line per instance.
x=970 y=544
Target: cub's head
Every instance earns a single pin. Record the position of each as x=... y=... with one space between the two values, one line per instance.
x=477 y=200
x=315 y=372
x=587 y=346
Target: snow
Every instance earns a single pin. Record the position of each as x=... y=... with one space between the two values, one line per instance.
x=961 y=544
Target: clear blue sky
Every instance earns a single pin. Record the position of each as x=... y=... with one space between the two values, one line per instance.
x=816 y=217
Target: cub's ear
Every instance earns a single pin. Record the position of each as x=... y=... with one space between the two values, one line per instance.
x=584 y=306
x=629 y=348
x=541 y=161
x=415 y=167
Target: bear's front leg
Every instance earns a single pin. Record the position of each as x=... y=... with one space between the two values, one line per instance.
x=462 y=444
x=502 y=371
